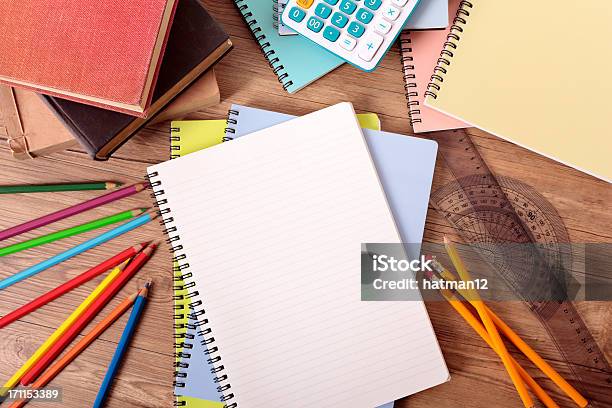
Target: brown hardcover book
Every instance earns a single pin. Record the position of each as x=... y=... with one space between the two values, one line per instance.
x=202 y=94
x=196 y=42
x=29 y=125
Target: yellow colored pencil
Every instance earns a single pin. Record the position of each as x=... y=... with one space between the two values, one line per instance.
x=520 y=344
x=61 y=329
x=480 y=329
x=475 y=300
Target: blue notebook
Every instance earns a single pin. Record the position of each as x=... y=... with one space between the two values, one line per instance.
x=405 y=167
x=429 y=14
x=295 y=60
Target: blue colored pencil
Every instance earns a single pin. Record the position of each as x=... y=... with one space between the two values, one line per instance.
x=85 y=246
x=126 y=336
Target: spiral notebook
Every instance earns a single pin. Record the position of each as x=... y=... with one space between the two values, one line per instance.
x=194 y=386
x=534 y=73
x=273 y=201
x=420 y=52
x=406 y=182
x=286 y=54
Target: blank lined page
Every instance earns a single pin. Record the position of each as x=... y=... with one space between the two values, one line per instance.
x=272 y=226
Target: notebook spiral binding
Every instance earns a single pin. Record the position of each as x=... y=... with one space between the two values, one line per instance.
x=409 y=79
x=275 y=13
x=232 y=119
x=182 y=282
x=277 y=67
x=174 y=137
x=447 y=53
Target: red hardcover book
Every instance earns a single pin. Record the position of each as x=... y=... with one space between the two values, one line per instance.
x=99 y=52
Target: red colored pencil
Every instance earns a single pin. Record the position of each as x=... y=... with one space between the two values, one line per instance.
x=71 y=284
x=89 y=315
x=70 y=211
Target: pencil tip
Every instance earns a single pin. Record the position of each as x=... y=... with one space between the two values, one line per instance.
x=137 y=211
x=151 y=247
x=112 y=184
x=446 y=240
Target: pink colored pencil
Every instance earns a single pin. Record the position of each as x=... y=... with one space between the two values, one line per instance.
x=70 y=211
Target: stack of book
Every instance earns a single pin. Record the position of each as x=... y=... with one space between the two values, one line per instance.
x=95 y=72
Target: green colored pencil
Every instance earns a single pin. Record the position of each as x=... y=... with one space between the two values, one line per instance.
x=69 y=232
x=46 y=188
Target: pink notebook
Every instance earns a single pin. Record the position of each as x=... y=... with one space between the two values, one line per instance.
x=420 y=53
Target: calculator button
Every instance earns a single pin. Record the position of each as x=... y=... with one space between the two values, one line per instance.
x=323 y=11
x=372 y=4
x=391 y=13
x=304 y=3
x=348 y=7
x=355 y=29
x=382 y=26
x=364 y=16
x=297 y=14
x=399 y=3
x=339 y=20
x=331 y=33
x=332 y=2
x=347 y=42
x=314 y=24
x=369 y=45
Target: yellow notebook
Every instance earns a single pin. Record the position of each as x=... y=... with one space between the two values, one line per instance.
x=535 y=73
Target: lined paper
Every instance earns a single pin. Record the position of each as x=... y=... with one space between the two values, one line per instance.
x=272 y=227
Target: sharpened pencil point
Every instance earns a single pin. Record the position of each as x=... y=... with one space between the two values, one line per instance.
x=112 y=184
x=138 y=211
x=150 y=248
x=124 y=263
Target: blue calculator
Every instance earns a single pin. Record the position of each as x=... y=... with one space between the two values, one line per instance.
x=359 y=31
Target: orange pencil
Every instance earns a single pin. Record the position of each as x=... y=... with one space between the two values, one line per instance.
x=496 y=339
x=78 y=348
x=469 y=317
x=520 y=344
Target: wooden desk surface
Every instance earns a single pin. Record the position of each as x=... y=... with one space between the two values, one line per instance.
x=478 y=378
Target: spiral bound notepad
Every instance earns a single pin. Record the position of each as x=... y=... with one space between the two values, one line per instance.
x=286 y=54
x=533 y=73
x=260 y=223
x=420 y=52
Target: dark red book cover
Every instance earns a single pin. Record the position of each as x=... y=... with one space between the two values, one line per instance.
x=99 y=52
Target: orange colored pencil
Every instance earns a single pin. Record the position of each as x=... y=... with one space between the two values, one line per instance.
x=496 y=339
x=78 y=348
x=478 y=327
x=519 y=343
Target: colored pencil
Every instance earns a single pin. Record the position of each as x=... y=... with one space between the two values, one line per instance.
x=520 y=344
x=70 y=211
x=62 y=329
x=78 y=348
x=69 y=232
x=85 y=246
x=124 y=342
x=490 y=326
x=71 y=284
x=51 y=188
x=482 y=332
x=134 y=266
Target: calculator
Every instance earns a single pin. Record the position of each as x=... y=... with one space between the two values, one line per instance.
x=358 y=31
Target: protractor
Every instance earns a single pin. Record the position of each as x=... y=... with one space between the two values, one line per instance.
x=492 y=212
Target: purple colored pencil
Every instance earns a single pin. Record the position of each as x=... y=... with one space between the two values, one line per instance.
x=70 y=211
